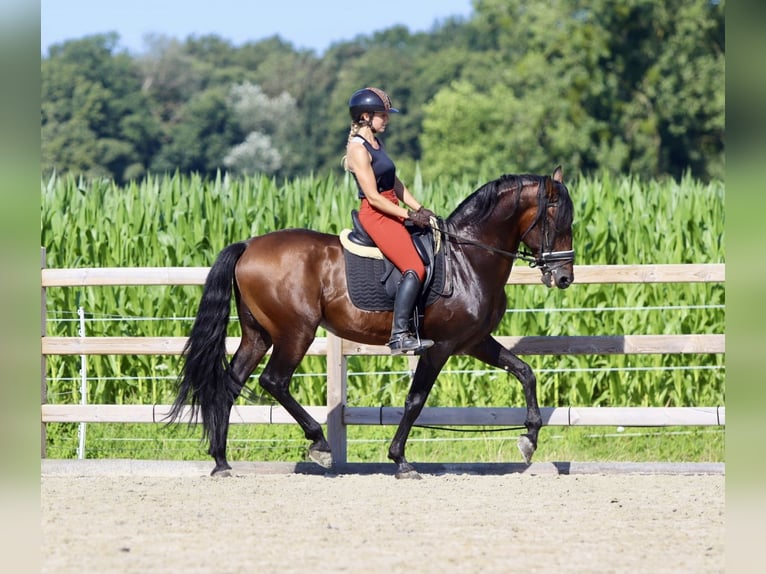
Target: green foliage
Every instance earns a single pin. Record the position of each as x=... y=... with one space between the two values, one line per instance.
x=269 y=123
x=205 y=131
x=95 y=119
x=625 y=87
x=184 y=220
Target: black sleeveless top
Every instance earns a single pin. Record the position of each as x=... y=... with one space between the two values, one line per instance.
x=382 y=166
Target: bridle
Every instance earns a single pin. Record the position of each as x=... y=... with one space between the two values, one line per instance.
x=547 y=261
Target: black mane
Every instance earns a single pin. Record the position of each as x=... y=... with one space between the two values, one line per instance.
x=481 y=203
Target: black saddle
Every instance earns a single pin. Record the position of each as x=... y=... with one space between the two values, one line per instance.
x=372 y=282
x=422 y=239
x=358 y=235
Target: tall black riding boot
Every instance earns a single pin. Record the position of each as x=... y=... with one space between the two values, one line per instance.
x=402 y=340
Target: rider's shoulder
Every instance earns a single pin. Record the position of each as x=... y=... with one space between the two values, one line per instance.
x=358 y=140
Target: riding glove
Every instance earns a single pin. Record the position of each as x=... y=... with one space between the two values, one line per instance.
x=421 y=217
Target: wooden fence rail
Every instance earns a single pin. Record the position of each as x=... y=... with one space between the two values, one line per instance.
x=336 y=414
x=474 y=416
x=584 y=274
x=553 y=345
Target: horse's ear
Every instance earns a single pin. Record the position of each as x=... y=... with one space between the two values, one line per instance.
x=558 y=174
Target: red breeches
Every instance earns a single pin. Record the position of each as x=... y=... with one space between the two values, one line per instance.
x=391 y=237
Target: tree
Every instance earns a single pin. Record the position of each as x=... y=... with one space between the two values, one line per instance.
x=95 y=119
x=634 y=86
x=202 y=135
x=631 y=86
x=270 y=125
x=256 y=154
x=521 y=108
x=684 y=86
x=170 y=76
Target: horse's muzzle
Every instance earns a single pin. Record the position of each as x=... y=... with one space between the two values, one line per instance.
x=564 y=280
x=558 y=277
x=557 y=268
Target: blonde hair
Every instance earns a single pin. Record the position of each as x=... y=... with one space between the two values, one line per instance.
x=355 y=127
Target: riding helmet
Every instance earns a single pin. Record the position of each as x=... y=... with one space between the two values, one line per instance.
x=369 y=100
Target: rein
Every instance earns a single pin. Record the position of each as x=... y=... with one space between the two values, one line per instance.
x=542 y=262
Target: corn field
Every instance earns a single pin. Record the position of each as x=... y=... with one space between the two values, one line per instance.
x=178 y=220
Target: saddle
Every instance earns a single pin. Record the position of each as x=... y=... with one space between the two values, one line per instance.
x=373 y=280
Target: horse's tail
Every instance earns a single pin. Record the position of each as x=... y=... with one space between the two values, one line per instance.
x=204 y=372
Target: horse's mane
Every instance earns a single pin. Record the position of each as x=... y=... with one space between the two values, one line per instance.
x=479 y=205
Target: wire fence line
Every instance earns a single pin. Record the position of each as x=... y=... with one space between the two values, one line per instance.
x=620 y=432
x=399 y=375
x=105 y=317
x=445 y=371
x=162 y=447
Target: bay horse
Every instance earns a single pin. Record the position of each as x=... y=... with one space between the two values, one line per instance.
x=289 y=282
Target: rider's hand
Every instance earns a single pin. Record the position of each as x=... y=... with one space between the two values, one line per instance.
x=428 y=212
x=421 y=217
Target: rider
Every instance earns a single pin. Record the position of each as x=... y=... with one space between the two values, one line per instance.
x=380 y=213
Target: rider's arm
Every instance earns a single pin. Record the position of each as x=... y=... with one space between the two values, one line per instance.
x=404 y=194
x=359 y=163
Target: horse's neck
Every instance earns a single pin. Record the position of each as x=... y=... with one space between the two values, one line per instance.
x=500 y=233
x=484 y=255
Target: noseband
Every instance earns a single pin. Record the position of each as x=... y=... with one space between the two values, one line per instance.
x=558 y=258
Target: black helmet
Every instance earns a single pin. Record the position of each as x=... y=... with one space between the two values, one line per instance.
x=369 y=100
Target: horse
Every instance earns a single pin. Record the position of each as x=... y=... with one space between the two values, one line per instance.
x=289 y=282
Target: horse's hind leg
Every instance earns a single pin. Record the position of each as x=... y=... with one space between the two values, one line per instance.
x=493 y=353
x=253 y=346
x=276 y=378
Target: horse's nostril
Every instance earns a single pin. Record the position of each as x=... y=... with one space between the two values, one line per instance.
x=564 y=282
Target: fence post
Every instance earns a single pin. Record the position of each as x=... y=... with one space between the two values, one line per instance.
x=83 y=384
x=337 y=434
x=43 y=360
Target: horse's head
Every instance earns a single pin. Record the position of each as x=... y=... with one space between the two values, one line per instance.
x=548 y=230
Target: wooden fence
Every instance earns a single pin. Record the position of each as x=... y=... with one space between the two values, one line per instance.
x=336 y=415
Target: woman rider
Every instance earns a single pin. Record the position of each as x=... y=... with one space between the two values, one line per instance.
x=380 y=213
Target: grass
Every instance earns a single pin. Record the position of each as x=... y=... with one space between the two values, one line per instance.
x=370 y=443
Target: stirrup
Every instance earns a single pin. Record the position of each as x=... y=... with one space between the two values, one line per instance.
x=402 y=343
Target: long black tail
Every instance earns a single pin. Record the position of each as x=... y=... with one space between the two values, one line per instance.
x=203 y=374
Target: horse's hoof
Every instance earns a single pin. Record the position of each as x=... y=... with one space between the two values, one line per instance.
x=409 y=475
x=223 y=472
x=526 y=448
x=322 y=457
x=407 y=471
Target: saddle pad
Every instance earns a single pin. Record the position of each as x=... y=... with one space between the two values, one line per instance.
x=367 y=292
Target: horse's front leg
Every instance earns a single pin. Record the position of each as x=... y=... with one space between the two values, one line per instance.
x=425 y=375
x=493 y=353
